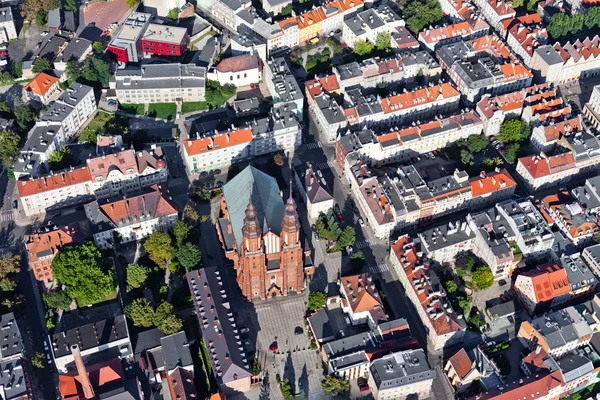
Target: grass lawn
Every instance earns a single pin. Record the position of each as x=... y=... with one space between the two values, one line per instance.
x=111 y=296
x=194 y=106
x=137 y=109
x=99 y=121
x=162 y=110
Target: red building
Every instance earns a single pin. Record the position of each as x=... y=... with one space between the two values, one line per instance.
x=164 y=40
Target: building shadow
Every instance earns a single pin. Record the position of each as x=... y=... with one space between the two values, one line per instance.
x=303 y=384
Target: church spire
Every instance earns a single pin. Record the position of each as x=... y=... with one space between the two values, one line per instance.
x=251 y=227
x=291 y=222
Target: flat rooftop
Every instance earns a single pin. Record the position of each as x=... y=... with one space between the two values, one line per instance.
x=164 y=34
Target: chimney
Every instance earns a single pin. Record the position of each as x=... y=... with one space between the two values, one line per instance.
x=84 y=379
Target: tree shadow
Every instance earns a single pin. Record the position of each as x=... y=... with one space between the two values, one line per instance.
x=288 y=370
x=7 y=237
x=318 y=281
x=303 y=382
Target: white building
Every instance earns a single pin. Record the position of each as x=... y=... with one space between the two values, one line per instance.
x=559 y=64
x=240 y=70
x=162 y=7
x=160 y=83
x=366 y=25
x=132 y=218
x=283 y=86
x=592 y=107
x=314 y=190
x=433 y=38
x=8 y=31
x=495 y=11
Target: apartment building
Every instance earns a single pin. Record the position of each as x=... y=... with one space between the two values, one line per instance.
x=557 y=333
x=42 y=88
x=367 y=25
x=483 y=65
x=401 y=375
x=465 y=368
x=16 y=378
x=8 y=31
x=336 y=11
x=314 y=189
x=592 y=107
x=444 y=242
x=215 y=151
x=239 y=71
x=325 y=110
x=125 y=45
x=591 y=255
x=274 y=7
x=432 y=39
x=588 y=195
x=495 y=11
x=249 y=43
x=576 y=223
x=552 y=110
x=132 y=218
x=445 y=327
x=524 y=34
x=360 y=300
x=380 y=148
x=160 y=83
x=545 y=287
x=77 y=49
x=571 y=61
x=545 y=136
x=43 y=245
x=582 y=280
x=164 y=40
x=403 y=67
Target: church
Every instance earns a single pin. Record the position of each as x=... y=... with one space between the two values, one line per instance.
x=262 y=237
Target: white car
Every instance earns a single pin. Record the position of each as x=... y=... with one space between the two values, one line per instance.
x=45 y=345
x=244 y=330
x=44 y=33
x=361 y=222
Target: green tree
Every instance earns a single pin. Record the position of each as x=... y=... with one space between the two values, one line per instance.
x=88 y=136
x=95 y=69
x=9 y=268
x=518 y=3
x=61 y=158
x=483 y=277
x=181 y=231
x=466 y=157
x=6 y=78
x=347 y=238
x=560 y=25
x=9 y=147
x=287 y=10
x=532 y=5
x=451 y=287
x=510 y=131
x=70 y=5
x=159 y=248
x=38 y=360
x=173 y=14
x=510 y=153
x=131 y=3
x=24 y=115
x=490 y=164
x=597 y=238
x=464 y=304
x=41 y=64
x=363 y=48
x=18 y=69
x=57 y=300
x=190 y=214
x=576 y=23
x=335 y=386
x=73 y=71
x=420 y=13
x=526 y=130
x=166 y=320
x=4 y=107
x=140 y=312
x=82 y=271
x=189 y=256
x=476 y=143
x=203 y=194
x=278 y=160
x=316 y=300
x=592 y=18
x=98 y=47
x=136 y=275
x=383 y=42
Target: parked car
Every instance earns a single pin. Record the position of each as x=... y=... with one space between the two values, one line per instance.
x=247 y=343
x=46 y=345
x=252 y=86
x=244 y=330
x=273 y=347
x=361 y=222
x=44 y=33
x=363 y=388
x=298 y=330
x=15 y=204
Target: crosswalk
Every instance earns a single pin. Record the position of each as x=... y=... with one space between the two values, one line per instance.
x=6 y=216
x=326 y=165
x=364 y=243
x=313 y=145
x=377 y=269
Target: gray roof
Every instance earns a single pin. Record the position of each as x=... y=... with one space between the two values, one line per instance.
x=495 y=230
x=11 y=341
x=51 y=46
x=6 y=14
x=69 y=24
x=176 y=351
x=279 y=119
x=13 y=379
x=54 y=19
x=286 y=85
x=74 y=50
x=401 y=368
x=57 y=112
x=227 y=237
x=562 y=327
x=446 y=235
x=502 y=310
x=352 y=344
x=365 y=19
x=265 y=197
x=75 y=93
x=207 y=54
x=321 y=325
x=348 y=360
x=161 y=76
x=317 y=190
x=574 y=365
x=216 y=320
x=146 y=340
x=578 y=273
x=451 y=53
x=549 y=55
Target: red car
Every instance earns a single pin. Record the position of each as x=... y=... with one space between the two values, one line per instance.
x=344 y=45
x=363 y=388
x=252 y=86
x=273 y=347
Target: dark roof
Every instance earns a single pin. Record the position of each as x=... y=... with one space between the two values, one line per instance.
x=69 y=24
x=145 y=340
x=321 y=325
x=181 y=383
x=13 y=379
x=51 y=46
x=11 y=338
x=176 y=351
x=502 y=310
x=74 y=50
x=54 y=19
x=207 y=54
x=108 y=330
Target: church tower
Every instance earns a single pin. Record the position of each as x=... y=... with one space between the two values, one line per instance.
x=292 y=262
x=251 y=274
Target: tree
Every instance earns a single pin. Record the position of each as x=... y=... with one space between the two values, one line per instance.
x=483 y=277
x=511 y=152
x=136 y=275
x=41 y=64
x=491 y=163
x=592 y=18
x=576 y=23
x=159 y=248
x=347 y=238
x=88 y=136
x=287 y=10
x=532 y=5
x=9 y=268
x=181 y=231
x=32 y=9
x=383 y=42
x=173 y=14
x=559 y=25
x=95 y=69
x=57 y=300
x=316 y=300
x=82 y=271
x=73 y=71
x=24 y=115
x=510 y=131
x=518 y=3
x=9 y=147
x=203 y=194
x=70 y=5
x=38 y=360
x=189 y=256
x=597 y=238
x=140 y=312
x=278 y=160
x=166 y=320
x=18 y=69
x=464 y=303
x=420 y=13
x=98 y=47
x=61 y=158
x=190 y=214
x=466 y=157
x=131 y=3
x=4 y=107
x=363 y=48
x=476 y=143
x=451 y=287
x=335 y=386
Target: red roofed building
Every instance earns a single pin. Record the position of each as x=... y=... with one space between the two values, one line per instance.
x=361 y=301
x=543 y=171
x=240 y=70
x=544 y=287
x=524 y=34
x=545 y=137
x=133 y=218
x=461 y=371
x=41 y=88
x=490 y=188
x=43 y=246
x=570 y=217
x=444 y=326
x=495 y=11
x=181 y=385
x=433 y=38
x=547 y=386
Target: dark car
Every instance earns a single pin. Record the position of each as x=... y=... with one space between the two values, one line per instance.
x=15 y=204
x=245 y=336
x=273 y=347
x=336 y=208
x=298 y=330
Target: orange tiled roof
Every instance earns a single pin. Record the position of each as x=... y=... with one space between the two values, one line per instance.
x=513 y=72
x=445 y=32
x=362 y=295
x=218 y=142
x=492 y=44
x=40 y=242
x=548 y=281
x=52 y=182
x=418 y=97
x=123 y=161
x=123 y=209
x=557 y=203
x=461 y=363
x=41 y=84
x=310 y=18
x=243 y=62
x=101 y=374
x=326 y=84
x=531 y=387
x=555 y=131
x=491 y=183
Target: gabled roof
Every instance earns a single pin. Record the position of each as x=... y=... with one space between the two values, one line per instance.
x=531 y=387
x=41 y=83
x=240 y=63
x=362 y=296
x=181 y=384
x=492 y=182
x=53 y=182
x=101 y=375
x=219 y=141
x=418 y=97
x=548 y=281
x=461 y=363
